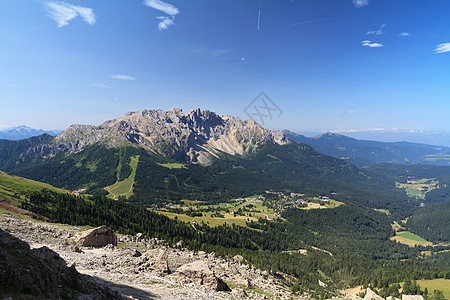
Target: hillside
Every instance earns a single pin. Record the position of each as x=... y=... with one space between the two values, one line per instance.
x=340 y=236
x=291 y=168
x=362 y=152
x=432 y=222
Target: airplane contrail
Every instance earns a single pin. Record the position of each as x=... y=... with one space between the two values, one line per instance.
x=311 y=21
x=259 y=13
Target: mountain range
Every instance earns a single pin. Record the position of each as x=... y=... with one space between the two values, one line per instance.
x=24 y=132
x=362 y=152
x=199 y=155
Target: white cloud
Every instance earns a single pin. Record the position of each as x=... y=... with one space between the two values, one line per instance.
x=166 y=8
x=165 y=22
x=162 y=6
x=371 y=44
x=123 y=77
x=360 y=3
x=379 y=31
x=442 y=48
x=403 y=34
x=63 y=12
x=100 y=85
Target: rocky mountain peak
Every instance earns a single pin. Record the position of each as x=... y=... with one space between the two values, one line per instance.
x=196 y=136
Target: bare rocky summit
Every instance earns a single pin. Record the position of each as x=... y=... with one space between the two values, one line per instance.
x=196 y=136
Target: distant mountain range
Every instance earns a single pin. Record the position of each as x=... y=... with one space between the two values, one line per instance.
x=362 y=152
x=24 y=132
x=199 y=155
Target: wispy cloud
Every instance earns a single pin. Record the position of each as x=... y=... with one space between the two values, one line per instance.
x=403 y=34
x=122 y=77
x=360 y=3
x=162 y=6
x=169 y=9
x=310 y=21
x=165 y=22
x=442 y=48
x=218 y=52
x=63 y=12
x=379 y=31
x=371 y=44
x=101 y=85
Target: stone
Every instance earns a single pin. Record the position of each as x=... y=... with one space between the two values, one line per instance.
x=154 y=260
x=199 y=273
x=412 y=297
x=238 y=258
x=136 y=253
x=371 y=295
x=352 y=297
x=180 y=244
x=77 y=249
x=97 y=237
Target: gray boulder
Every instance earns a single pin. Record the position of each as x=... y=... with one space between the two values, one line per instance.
x=412 y=297
x=154 y=260
x=352 y=297
x=97 y=237
x=200 y=273
x=371 y=295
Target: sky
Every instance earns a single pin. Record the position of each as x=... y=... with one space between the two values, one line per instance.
x=321 y=64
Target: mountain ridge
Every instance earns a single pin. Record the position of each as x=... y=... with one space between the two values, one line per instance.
x=24 y=132
x=194 y=137
x=365 y=152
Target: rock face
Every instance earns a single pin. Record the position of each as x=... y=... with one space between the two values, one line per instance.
x=371 y=295
x=97 y=237
x=199 y=273
x=197 y=136
x=40 y=273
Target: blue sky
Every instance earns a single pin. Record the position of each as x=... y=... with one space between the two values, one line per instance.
x=327 y=64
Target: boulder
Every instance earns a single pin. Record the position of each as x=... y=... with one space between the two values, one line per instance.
x=238 y=258
x=322 y=284
x=352 y=297
x=180 y=244
x=412 y=297
x=371 y=295
x=154 y=260
x=200 y=273
x=97 y=237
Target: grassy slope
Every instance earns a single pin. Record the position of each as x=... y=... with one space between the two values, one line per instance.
x=436 y=284
x=228 y=218
x=124 y=187
x=13 y=191
x=410 y=239
x=11 y=185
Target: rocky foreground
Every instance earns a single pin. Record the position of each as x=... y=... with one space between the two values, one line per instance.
x=57 y=261
x=139 y=268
